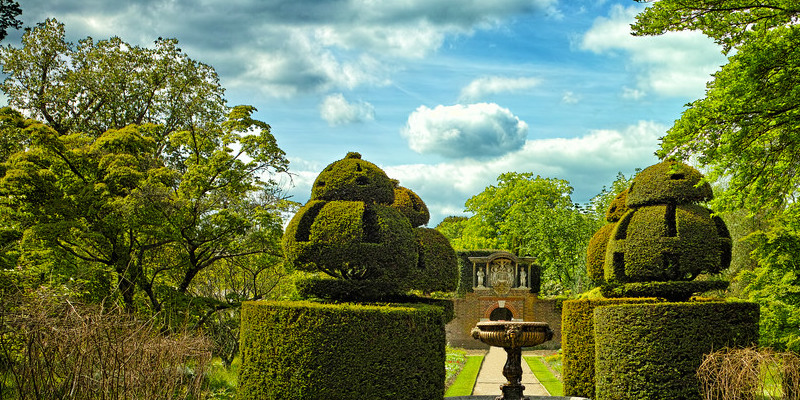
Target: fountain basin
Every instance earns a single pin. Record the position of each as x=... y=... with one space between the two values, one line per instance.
x=513 y=334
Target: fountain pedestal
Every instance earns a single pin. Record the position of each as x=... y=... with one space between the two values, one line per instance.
x=512 y=336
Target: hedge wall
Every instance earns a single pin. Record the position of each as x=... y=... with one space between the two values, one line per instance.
x=308 y=351
x=653 y=351
x=437 y=269
x=578 y=343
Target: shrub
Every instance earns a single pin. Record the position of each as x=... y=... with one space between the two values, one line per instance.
x=353 y=179
x=749 y=373
x=653 y=351
x=666 y=243
x=596 y=253
x=305 y=350
x=411 y=205
x=437 y=270
x=670 y=291
x=618 y=207
x=668 y=182
x=578 y=343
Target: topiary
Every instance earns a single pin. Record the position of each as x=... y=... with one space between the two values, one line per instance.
x=353 y=179
x=411 y=205
x=596 y=249
x=618 y=207
x=437 y=269
x=663 y=236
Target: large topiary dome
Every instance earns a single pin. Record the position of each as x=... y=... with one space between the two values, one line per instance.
x=596 y=249
x=354 y=179
x=668 y=182
x=665 y=240
x=411 y=205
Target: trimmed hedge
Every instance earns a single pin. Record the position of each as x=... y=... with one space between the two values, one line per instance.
x=309 y=351
x=618 y=207
x=653 y=351
x=666 y=243
x=353 y=179
x=668 y=182
x=596 y=253
x=578 y=343
x=437 y=269
x=670 y=291
x=411 y=205
x=351 y=239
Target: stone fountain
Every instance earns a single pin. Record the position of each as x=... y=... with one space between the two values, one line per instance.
x=512 y=336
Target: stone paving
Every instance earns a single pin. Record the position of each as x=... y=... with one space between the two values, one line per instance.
x=490 y=376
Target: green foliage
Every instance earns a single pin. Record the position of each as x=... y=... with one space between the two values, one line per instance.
x=353 y=179
x=600 y=205
x=9 y=11
x=742 y=133
x=596 y=253
x=666 y=243
x=437 y=270
x=653 y=351
x=775 y=283
x=452 y=227
x=304 y=350
x=351 y=240
x=668 y=182
x=533 y=216
x=670 y=290
x=411 y=205
x=578 y=343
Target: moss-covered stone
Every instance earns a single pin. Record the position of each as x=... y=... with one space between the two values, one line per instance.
x=353 y=179
x=668 y=182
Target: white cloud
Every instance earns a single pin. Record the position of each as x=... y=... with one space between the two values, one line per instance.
x=570 y=98
x=482 y=87
x=673 y=64
x=338 y=111
x=477 y=130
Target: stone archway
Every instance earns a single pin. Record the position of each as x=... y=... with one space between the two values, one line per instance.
x=501 y=314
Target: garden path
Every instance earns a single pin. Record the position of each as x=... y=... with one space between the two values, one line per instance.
x=490 y=377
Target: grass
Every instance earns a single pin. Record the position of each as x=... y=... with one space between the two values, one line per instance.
x=465 y=380
x=543 y=374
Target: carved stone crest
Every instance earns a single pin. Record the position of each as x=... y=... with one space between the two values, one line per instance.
x=502 y=275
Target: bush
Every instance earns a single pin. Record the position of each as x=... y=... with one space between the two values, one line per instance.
x=668 y=182
x=670 y=291
x=596 y=254
x=578 y=343
x=306 y=350
x=750 y=373
x=353 y=179
x=411 y=205
x=437 y=269
x=653 y=351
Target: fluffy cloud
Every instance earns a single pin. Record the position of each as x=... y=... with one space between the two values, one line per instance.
x=673 y=64
x=289 y=47
x=477 y=130
x=588 y=162
x=338 y=111
x=482 y=87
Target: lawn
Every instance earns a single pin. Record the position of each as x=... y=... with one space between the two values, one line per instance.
x=544 y=375
x=465 y=380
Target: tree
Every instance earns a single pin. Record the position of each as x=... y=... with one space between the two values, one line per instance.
x=743 y=133
x=532 y=216
x=138 y=168
x=9 y=11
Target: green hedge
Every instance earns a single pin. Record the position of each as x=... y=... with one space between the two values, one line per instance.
x=596 y=253
x=666 y=243
x=411 y=205
x=618 y=207
x=309 y=351
x=668 y=182
x=653 y=351
x=670 y=291
x=437 y=270
x=353 y=179
x=578 y=343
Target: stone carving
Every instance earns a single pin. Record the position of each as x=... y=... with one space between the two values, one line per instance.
x=502 y=275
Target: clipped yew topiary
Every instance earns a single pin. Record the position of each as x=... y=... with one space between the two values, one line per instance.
x=411 y=205
x=310 y=351
x=354 y=179
x=578 y=343
x=668 y=182
x=653 y=351
x=596 y=249
x=437 y=270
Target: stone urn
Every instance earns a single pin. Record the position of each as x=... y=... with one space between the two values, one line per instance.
x=512 y=336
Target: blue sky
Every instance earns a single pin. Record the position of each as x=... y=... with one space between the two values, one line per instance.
x=443 y=95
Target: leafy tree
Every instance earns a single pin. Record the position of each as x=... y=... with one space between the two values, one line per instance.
x=744 y=131
x=139 y=169
x=9 y=11
x=452 y=227
x=599 y=204
x=775 y=282
x=532 y=216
